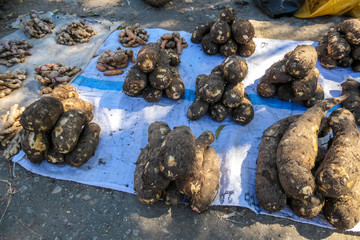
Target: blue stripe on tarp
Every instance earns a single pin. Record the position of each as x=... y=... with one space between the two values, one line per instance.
x=117 y=86
x=190 y=94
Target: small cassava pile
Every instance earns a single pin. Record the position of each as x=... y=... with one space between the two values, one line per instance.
x=14 y=51
x=153 y=74
x=175 y=163
x=133 y=36
x=172 y=41
x=294 y=78
x=351 y=88
x=75 y=32
x=226 y=35
x=57 y=128
x=341 y=46
x=9 y=131
x=109 y=61
x=222 y=92
x=11 y=81
x=292 y=169
x=51 y=75
x=36 y=27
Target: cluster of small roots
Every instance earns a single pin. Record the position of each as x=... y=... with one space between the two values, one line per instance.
x=14 y=51
x=293 y=78
x=9 y=131
x=133 y=36
x=227 y=35
x=111 y=62
x=174 y=164
x=36 y=27
x=341 y=46
x=58 y=129
x=173 y=41
x=222 y=92
x=11 y=81
x=75 y=32
x=153 y=74
x=51 y=75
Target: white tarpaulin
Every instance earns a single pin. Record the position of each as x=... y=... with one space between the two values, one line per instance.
x=124 y=121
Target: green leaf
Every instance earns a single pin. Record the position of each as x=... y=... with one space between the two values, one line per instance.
x=218 y=131
x=11 y=14
x=20 y=1
x=55 y=11
x=93 y=14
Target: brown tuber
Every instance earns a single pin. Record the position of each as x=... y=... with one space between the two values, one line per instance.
x=109 y=61
x=75 y=32
x=35 y=144
x=148 y=57
x=298 y=149
x=133 y=36
x=11 y=81
x=14 y=51
x=301 y=61
x=36 y=27
x=351 y=88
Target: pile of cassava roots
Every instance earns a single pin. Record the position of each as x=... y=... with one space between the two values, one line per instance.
x=173 y=164
x=10 y=81
x=153 y=74
x=51 y=75
x=75 y=32
x=109 y=61
x=36 y=27
x=133 y=36
x=291 y=167
x=57 y=128
x=14 y=51
x=221 y=92
x=294 y=78
x=341 y=46
x=226 y=35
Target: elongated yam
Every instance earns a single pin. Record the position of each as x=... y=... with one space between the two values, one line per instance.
x=145 y=196
x=305 y=88
x=35 y=145
x=218 y=111
x=339 y=171
x=343 y=212
x=244 y=113
x=53 y=157
x=67 y=130
x=135 y=82
x=64 y=91
x=175 y=163
x=85 y=147
x=191 y=185
x=246 y=49
x=148 y=57
x=157 y=132
x=77 y=103
x=277 y=73
x=316 y=98
x=242 y=30
x=308 y=208
x=161 y=77
x=301 y=61
x=42 y=114
x=268 y=188
x=151 y=94
x=233 y=95
x=351 y=88
x=197 y=109
x=351 y=29
x=210 y=182
x=235 y=69
x=338 y=47
x=298 y=148
x=176 y=89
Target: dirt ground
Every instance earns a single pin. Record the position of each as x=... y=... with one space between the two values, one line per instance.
x=37 y=207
